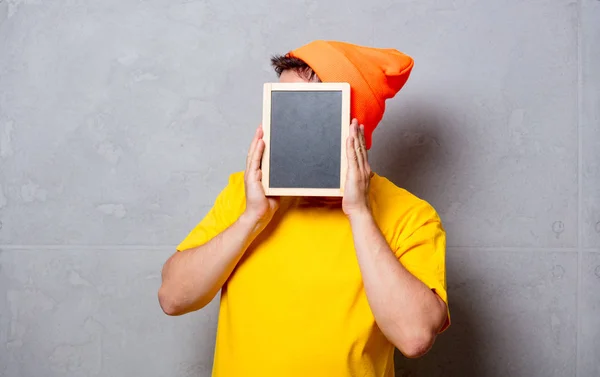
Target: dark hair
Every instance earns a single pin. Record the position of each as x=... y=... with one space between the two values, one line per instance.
x=282 y=63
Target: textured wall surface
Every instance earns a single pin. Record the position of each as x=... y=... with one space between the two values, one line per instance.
x=121 y=120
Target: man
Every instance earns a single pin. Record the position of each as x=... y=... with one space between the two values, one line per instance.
x=318 y=286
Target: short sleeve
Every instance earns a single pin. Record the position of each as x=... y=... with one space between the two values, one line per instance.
x=227 y=208
x=423 y=251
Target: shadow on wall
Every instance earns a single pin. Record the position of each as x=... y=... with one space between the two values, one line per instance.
x=416 y=148
x=416 y=153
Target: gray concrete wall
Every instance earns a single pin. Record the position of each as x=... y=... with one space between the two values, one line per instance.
x=120 y=121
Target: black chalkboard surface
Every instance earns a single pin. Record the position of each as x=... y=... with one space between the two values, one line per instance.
x=305 y=129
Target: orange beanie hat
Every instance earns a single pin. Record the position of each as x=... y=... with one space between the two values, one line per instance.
x=374 y=75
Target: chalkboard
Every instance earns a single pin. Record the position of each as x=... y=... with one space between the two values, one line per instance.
x=305 y=129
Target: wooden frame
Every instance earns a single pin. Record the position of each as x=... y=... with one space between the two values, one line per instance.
x=344 y=88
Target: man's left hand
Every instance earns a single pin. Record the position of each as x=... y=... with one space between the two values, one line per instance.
x=358 y=177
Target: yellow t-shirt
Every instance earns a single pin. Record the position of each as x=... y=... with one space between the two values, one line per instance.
x=295 y=305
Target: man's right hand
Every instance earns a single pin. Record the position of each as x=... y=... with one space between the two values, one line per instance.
x=259 y=208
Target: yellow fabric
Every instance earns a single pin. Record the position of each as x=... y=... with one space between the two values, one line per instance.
x=295 y=305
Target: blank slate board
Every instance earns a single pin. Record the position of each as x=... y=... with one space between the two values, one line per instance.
x=305 y=129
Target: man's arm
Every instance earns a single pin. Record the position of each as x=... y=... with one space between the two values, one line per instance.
x=408 y=312
x=191 y=278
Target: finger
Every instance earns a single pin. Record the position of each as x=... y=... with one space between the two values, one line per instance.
x=257 y=156
x=257 y=175
x=252 y=148
x=365 y=152
x=354 y=131
x=363 y=142
x=359 y=149
x=351 y=155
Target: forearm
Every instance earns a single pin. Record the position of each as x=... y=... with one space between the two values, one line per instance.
x=192 y=278
x=406 y=310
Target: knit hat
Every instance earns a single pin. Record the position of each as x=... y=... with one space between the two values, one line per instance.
x=374 y=75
